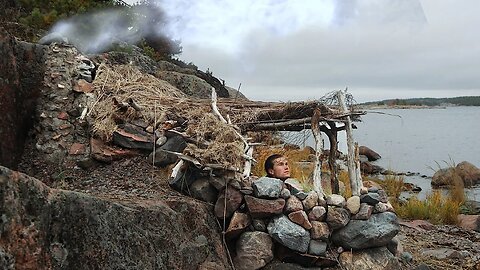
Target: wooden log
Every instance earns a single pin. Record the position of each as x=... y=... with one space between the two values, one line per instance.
x=350 y=146
x=317 y=171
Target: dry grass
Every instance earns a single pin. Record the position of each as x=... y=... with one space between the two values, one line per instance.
x=123 y=82
x=343 y=177
x=437 y=208
x=160 y=101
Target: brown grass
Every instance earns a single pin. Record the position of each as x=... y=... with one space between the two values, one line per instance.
x=160 y=101
x=437 y=208
x=343 y=177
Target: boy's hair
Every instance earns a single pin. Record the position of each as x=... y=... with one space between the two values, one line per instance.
x=269 y=162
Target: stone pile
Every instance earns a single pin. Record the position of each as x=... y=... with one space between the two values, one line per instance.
x=270 y=214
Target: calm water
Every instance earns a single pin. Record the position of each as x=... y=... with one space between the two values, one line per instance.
x=421 y=140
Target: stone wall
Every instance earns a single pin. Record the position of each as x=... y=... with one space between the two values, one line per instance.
x=269 y=218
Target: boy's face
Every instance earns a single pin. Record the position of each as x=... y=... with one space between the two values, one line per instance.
x=280 y=169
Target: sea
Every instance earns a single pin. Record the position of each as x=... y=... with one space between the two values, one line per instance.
x=419 y=141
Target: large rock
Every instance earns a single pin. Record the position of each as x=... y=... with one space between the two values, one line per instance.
x=369 y=153
x=254 y=251
x=369 y=259
x=22 y=68
x=465 y=171
x=469 y=222
x=267 y=188
x=369 y=168
x=469 y=173
x=444 y=177
x=289 y=234
x=377 y=231
x=45 y=228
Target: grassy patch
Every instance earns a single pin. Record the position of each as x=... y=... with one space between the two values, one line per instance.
x=436 y=208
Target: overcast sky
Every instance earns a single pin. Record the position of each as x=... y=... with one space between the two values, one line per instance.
x=301 y=49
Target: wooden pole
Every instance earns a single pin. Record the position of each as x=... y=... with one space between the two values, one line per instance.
x=350 y=145
x=248 y=163
x=317 y=171
x=358 y=172
x=332 y=137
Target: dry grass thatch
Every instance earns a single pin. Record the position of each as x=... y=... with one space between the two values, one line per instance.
x=211 y=141
x=159 y=102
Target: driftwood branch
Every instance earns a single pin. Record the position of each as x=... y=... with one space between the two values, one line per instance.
x=350 y=146
x=177 y=169
x=317 y=171
x=248 y=163
x=215 y=108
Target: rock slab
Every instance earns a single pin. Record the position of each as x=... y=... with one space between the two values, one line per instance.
x=289 y=234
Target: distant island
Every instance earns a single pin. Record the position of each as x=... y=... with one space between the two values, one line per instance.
x=425 y=102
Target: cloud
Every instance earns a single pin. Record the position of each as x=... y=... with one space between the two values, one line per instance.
x=392 y=46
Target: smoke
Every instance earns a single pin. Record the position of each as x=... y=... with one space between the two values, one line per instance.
x=98 y=31
x=226 y=25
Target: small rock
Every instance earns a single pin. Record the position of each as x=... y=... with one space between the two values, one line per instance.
x=82 y=86
x=261 y=208
x=289 y=234
x=469 y=222
x=259 y=225
x=318 y=213
x=337 y=217
x=202 y=190
x=293 y=204
x=320 y=231
x=267 y=188
x=380 y=208
x=370 y=198
x=300 y=218
x=353 y=204
x=77 y=149
x=364 y=213
x=336 y=200
x=285 y=194
x=62 y=115
x=233 y=202
x=238 y=224
x=317 y=248
x=322 y=201
x=363 y=190
x=254 y=251
x=406 y=257
x=310 y=201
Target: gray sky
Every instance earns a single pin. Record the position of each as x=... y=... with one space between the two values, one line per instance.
x=296 y=50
